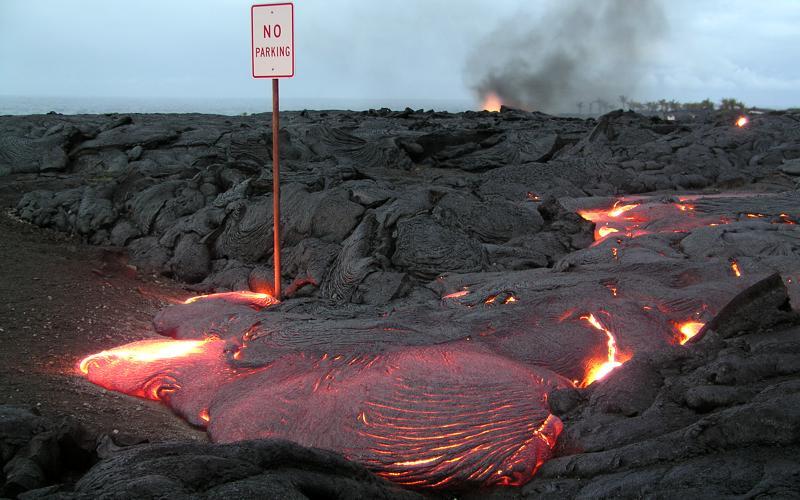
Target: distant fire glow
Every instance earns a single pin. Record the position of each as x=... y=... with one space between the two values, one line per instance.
x=491 y=102
x=741 y=121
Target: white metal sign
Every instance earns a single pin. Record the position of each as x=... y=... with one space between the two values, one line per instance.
x=272 y=40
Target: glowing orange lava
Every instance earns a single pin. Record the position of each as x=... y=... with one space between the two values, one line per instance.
x=240 y=297
x=618 y=209
x=491 y=102
x=456 y=295
x=606 y=216
x=605 y=231
x=631 y=218
x=145 y=352
x=609 y=213
x=601 y=370
x=689 y=329
x=742 y=121
x=735 y=269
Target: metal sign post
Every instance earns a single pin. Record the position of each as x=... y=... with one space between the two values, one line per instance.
x=272 y=56
x=276 y=191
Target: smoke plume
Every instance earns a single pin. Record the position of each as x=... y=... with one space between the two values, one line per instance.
x=579 y=51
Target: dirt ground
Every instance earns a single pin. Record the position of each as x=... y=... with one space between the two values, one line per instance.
x=61 y=300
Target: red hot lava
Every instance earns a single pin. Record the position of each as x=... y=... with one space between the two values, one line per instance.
x=689 y=329
x=254 y=299
x=600 y=370
x=631 y=218
x=457 y=294
x=423 y=417
x=608 y=221
x=151 y=369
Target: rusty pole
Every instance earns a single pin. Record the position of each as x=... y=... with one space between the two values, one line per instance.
x=276 y=192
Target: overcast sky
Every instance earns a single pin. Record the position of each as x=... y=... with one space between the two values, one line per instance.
x=349 y=49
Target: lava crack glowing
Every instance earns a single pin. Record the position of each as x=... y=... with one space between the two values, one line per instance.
x=455 y=295
x=602 y=369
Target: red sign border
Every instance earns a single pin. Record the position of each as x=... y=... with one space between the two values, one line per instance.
x=252 y=40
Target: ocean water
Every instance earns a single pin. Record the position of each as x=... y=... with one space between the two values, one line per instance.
x=22 y=105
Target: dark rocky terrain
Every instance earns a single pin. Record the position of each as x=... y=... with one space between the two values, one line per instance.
x=414 y=235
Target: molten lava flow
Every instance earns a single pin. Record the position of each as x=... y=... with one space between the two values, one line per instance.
x=503 y=297
x=604 y=215
x=605 y=231
x=735 y=269
x=456 y=295
x=689 y=329
x=742 y=121
x=491 y=102
x=157 y=369
x=606 y=219
x=241 y=297
x=632 y=218
x=145 y=352
x=600 y=370
x=618 y=209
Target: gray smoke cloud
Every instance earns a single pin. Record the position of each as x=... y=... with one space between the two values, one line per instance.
x=578 y=51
